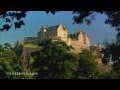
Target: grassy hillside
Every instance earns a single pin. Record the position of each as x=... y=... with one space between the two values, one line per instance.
x=30 y=45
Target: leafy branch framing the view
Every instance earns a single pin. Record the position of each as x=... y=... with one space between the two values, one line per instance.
x=15 y=17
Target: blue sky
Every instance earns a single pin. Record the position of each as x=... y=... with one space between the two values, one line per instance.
x=34 y=20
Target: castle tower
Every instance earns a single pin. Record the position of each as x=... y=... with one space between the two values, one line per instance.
x=62 y=32
x=83 y=39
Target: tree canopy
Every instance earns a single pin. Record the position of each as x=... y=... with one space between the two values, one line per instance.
x=54 y=61
x=87 y=64
x=8 y=61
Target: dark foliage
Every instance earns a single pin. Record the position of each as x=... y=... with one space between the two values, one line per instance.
x=15 y=17
x=10 y=18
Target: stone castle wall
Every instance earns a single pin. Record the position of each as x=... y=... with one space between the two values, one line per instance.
x=79 y=41
x=30 y=39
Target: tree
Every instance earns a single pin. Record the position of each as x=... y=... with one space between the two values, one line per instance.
x=8 y=18
x=111 y=52
x=87 y=65
x=7 y=46
x=8 y=62
x=53 y=60
x=103 y=71
x=68 y=65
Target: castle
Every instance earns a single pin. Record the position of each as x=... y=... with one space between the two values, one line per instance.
x=77 y=40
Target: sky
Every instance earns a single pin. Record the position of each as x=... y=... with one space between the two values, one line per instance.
x=97 y=31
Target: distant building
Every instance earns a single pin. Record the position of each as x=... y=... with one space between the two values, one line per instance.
x=78 y=40
x=54 y=32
